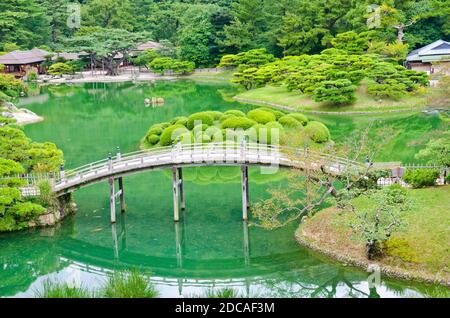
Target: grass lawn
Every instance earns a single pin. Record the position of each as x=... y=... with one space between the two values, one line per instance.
x=217 y=77
x=422 y=246
x=283 y=97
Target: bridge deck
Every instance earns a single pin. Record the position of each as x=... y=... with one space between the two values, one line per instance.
x=182 y=155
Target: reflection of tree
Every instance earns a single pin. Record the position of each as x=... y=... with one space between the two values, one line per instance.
x=224 y=175
x=26 y=256
x=316 y=284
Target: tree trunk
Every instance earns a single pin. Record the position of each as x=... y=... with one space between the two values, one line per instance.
x=400 y=32
x=371 y=249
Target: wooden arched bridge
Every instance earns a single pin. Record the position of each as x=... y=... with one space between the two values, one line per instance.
x=187 y=155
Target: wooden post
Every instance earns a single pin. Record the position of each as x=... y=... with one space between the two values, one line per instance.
x=115 y=241
x=246 y=244
x=176 y=212
x=178 y=245
x=181 y=188
x=244 y=174
x=247 y=188
x=112 y=200
x=122 y=196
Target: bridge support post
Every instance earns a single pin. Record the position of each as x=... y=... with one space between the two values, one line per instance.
x=121 y=196
x=245 y=204
x=181 y=188
x=246 y=244
x=176 y=212
x=112 y=200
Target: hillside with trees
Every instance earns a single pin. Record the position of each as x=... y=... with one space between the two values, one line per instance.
x=202 y=31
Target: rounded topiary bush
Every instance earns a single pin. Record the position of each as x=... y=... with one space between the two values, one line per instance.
x=420 y=178
x=178 y=119
x=278 y=114
x=235 y=112
x=203 y=117
x=153 y=139
x=274 y=124
x=299 y=117
x=238 y=122
x=317 y=132
x=216 y=115
x=289 y=122
x=172 y=133
x=155 y=130
x=261 y=116
x=202 y=127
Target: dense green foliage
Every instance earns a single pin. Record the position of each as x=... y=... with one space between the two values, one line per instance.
x=421 y=178
x=19 y=154
x=60 y=69
x=332 y=76
x=203 y=31
x=258 y=125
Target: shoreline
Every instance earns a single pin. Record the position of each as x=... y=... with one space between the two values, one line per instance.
x=319 y=112
x=390 y=271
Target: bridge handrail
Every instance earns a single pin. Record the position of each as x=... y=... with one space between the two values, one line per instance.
x=193 y=147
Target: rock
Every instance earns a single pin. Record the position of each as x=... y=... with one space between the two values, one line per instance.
x=10 y=106
x=48 y=219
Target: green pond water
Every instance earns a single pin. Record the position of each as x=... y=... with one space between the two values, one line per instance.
x=207 y=249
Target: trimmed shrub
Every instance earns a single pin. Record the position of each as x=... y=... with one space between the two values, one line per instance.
x=235 y=112
x=171 y=133
x=317 y=132
x=238 y=122
x=274 y=124
x=204 y=117
x=261 y=116
x=299 y=117
x=420 y=178
x=278 y=114
x=289 y=122
x=203 y=127
x=177 y=120
x=216 y=115
x=153 y=139
x=155 y=130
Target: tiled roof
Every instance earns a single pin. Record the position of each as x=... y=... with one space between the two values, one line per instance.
x=23 y=57
x=432 y=52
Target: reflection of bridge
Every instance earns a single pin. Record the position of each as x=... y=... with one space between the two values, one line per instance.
x=188 y=155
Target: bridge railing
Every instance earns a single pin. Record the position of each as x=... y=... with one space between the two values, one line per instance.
x=234 y=151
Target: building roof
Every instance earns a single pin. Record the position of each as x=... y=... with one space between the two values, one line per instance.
x=68 y=56
x=148 y=45
x=436 y=51
x=23 y=57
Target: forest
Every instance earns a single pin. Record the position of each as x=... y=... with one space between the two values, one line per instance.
x=202 y=31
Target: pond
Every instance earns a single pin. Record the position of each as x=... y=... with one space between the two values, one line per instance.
x=211 y=247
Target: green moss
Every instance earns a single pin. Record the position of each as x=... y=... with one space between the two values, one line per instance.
x=261 y=116
x=399 y=247
x=317 y=132
x=238 y=122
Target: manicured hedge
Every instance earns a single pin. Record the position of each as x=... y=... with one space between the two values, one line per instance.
x=299 y=117
x=215 y=126
x=261 y=116
x=420 y=178
x=289 y=122
x=171 y=133
x=204 y=117
x=153 y=139
x=317 y=131
x=235 y=112
x=238 y=122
